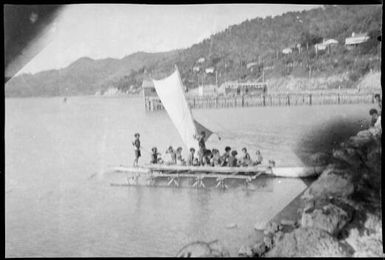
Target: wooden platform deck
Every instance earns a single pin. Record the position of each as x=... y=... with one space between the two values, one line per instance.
x=207 y=171
x=174 y=175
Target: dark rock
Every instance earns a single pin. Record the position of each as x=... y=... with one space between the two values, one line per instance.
x=195 y=249
x=348 y=156
x=319 y=158
x=287 y=222
x=217 y=249
x=203 y=249
x=361 y=140
x=368 y=244
x=330 y=218
x=280 y=227
x=309 y=206
x=355 y=153
x=344 y=204
x=245 y=251
x=307 y=242
x=268 y=240
x=364 y=134
x=374 y=159
x=307 y=195
x=271 y=227
x=278 y=236
x=259 y=249
x=332 y=183
x=299 y=213
x=296 y=224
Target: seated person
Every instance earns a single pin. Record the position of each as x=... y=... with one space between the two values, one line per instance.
x=172 y=156
x=271 y=163
x=196 y=162
x=191 y=157
x=233 y=161
x=375 y=129
x=259 y=158
x=377 y=97
x=155 y=156
x=246 y=160
x=179 y=159
x=225 y=156
x=207 y=155
x=216 y=159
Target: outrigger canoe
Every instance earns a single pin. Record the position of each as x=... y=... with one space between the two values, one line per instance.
x=147 y=175
x=170 y=90
x=286 y=172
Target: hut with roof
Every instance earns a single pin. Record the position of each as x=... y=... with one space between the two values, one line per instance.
x=356 y=39
x=151 y=99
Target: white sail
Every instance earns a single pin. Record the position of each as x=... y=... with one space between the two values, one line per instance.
x=171 y=93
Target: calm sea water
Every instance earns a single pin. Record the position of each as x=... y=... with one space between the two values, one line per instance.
x=59 y=202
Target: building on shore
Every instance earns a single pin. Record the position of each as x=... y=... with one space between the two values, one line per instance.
x=204 y=90
x=356 y=39
x=201 y=60
x=246 y=88
x=151 y=99
x=251 y=64
x=325 y=45
x=196 y=68
x=210 y=70
x=112 y=91
x=287 y=51
x=148 y=88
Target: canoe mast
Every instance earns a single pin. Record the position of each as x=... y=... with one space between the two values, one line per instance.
x=171 y=93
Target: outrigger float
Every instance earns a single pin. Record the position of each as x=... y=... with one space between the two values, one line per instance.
x=148 y=174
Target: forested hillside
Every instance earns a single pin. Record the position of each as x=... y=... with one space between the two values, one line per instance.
x=241 y=52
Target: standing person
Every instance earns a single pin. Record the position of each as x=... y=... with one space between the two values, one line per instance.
x=225 y=156
x=190 y=159
x=136 y=144
x=377 y=97
x=259 y=158
x=246 y=161
x=202 y=146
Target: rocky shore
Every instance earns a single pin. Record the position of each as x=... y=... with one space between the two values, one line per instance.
x=338 y=215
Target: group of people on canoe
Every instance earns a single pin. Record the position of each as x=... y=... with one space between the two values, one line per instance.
x=202 y=157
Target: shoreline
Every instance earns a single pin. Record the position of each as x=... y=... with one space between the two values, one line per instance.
x=365 y=91
x=338 y=215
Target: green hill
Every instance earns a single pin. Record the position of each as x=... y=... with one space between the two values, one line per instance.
x=259 y=41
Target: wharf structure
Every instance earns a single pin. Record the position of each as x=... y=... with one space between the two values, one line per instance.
x=256 y=94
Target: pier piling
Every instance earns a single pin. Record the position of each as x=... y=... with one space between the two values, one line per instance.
x=291 y=99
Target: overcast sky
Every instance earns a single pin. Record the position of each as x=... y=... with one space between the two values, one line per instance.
x=101 y=31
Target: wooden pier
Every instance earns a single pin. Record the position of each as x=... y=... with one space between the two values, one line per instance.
x=292 y=99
